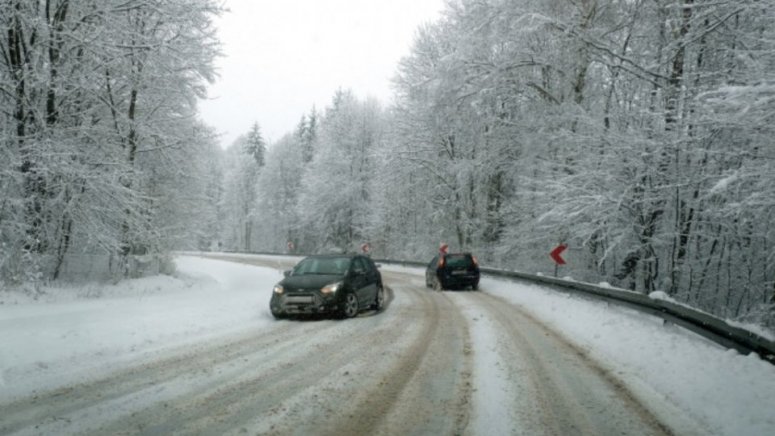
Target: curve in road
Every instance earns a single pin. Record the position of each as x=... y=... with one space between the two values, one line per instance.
x=429 y=363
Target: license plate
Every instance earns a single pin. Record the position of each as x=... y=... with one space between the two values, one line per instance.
x=459 y=273
x=299 y=299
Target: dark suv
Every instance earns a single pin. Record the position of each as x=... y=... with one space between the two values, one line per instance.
x=336 y=284
x=452 y=271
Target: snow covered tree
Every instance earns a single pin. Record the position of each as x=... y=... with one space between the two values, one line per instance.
x=336 y=185
x=307 y=133
x=278 y=189
x=255 y=145
x=93 y=93
x=239 y=196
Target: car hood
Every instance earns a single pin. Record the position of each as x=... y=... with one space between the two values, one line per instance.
x=310 y=281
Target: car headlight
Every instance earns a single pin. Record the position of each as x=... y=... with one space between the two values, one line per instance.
x=278 y=289
x=330 y=289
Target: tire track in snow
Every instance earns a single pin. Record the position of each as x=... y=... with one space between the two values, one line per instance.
x=258 y=391
x=428 y=390
x=185 y=364
x=555 y=389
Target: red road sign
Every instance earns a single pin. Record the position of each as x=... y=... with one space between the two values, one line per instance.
x=365 y=248
x=443 y=248
x=555 y=254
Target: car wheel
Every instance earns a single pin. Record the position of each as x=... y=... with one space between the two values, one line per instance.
x=475 y=287
x=379 y=299
x=437 y=285
x=350 y=305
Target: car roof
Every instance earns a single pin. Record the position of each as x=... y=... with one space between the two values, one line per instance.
x=334 y=255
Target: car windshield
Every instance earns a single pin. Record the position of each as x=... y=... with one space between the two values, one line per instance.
x=322 y=265
x=458 y=260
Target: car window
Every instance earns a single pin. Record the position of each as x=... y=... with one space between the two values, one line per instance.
x=359 y=265
x=434 y=262
x=459 y=260
x=341 y=265
x=370 y=266
x=322 y=265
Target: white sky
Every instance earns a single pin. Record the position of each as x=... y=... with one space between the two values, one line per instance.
x=281 y=57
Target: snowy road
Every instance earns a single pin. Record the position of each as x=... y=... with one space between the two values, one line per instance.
x=430 y=363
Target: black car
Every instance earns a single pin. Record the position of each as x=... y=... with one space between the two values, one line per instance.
x=453 y=271
x=336 y=284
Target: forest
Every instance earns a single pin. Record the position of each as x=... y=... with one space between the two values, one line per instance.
x=637 y=132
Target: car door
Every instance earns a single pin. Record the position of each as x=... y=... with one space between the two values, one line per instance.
x=374 y=276
x=430 y=271
x=360 y=282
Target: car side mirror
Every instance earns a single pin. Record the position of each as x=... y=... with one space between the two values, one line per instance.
x=287 y=273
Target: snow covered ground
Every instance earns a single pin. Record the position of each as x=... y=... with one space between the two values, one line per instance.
x=75 y=334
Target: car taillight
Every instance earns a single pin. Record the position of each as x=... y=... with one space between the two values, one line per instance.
x=442 y=262
x=476 y=262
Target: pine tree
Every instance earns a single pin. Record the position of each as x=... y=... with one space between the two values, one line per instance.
x=255 y=145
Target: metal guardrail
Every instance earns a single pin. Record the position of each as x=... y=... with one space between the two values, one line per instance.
x=706 y=325
x=702 y=323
